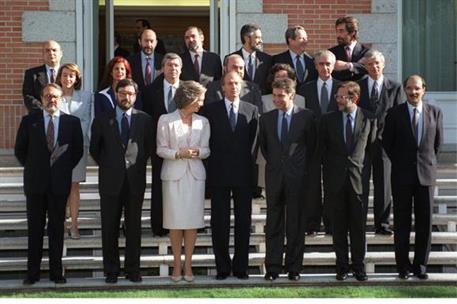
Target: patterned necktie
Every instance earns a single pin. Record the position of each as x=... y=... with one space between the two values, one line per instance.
x=348 y=53
x=299 y=68
x=251 y=68
x=170 y=100
x=52 y=79
x=349 y=138
x=324 y=98
x=125 y=129
x=147 y=71
x=414 y=125
x=284 y=129
x=232 y=118
x=196 y=66
x=50 y=134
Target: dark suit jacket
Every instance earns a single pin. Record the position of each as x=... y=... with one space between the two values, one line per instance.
x=232 y=153
x=391 y=96
x=291 y=161
x=400 y=145
x=337 y=162
x=34 y=80
x=262 y=65
x=113 y=159
x=309 y=91
x=32 y=152
x=211 y=68
x=357 y=54
x=310 y=68
x=250 y=93
x=137 y=71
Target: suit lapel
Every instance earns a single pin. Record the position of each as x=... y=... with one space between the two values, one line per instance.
x=425 y=120
x=40 y=128
x=205 y=63
x=292 y=125
x=115 y=126
x=133 y=122
x=358 y=125
x=340 y=129
x=317 y=106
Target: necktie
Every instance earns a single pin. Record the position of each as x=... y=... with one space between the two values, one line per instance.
x=349 y=139
x=125 y=129
x=197 y=66
x=299 y=68
x=284 y=129
x=147 y=72
x=324 y=98
x=414 y=125
x=348 y=53
x=170 y=100
x=50 y=134
x=232 y=118
x=251 y=68
x=53 y=76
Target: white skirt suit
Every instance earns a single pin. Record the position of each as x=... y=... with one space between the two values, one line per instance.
x=183 y=180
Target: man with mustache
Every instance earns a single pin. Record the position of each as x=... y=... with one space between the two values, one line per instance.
x=257 y=63
x=49 y=144
x=197 y=64
x=413 y=135
x=121 y=145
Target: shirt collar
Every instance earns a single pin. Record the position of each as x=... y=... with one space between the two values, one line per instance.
x=352 y=45
x=246 y=54
x=288 y=111
x=353 y=114
x=168 y=85
x=56 y=114
x=329 y=82
x=144 y=56
x=294 y=55
x=418 y=108
x=120 y=112
x=379 y=81
x=192 y=54
x=236 y=103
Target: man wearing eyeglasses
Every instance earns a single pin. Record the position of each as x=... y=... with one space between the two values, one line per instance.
x=121 y=145
x=49 y=144
x=344 y=136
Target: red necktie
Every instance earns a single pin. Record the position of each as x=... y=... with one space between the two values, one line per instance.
x=197 y=66
x=147 y=72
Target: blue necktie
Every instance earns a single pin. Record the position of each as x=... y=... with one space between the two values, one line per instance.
x=299 y=68
x=284 y=129
x=232 y=118
x=324 y=98
x=349 y=138
x=251 y=68
x=125 y=129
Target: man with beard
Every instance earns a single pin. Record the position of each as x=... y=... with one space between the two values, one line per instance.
x=121 y=145
x=141 y=25
x=49 y=144
x=349 y=52
x=197 y=64
x=146 y=64
x=257 y=63
x=344 y=137
x=296 y=56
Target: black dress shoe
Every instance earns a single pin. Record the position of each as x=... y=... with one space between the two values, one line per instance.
x=111 y=279
x=384 y=231
x=136 y=278
x=422 y=276
x=59 y=280
x=293 y=276
x=311 y=233
x=341 y=276
x=360 y=276
x=271 y=276
x=241 y=275
x=29 y=281
x=222 y=276
x=403 y=275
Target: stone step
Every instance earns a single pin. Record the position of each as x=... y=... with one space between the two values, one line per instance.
x=207 y=260
x=204 y=240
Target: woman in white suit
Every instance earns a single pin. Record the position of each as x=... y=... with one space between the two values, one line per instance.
x=77 y=103
x=182 y=142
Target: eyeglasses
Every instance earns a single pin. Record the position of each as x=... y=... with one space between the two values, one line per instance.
x=346 y=97
x=51 y=96
x=127 y=93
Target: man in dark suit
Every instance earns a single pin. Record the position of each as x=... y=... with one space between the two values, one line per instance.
x=378 y=95
x=287 y=141
x=36 y=78
x=319 y=98
x=121 y=145
x=250 y=92
x=118 y=49
x=49 y=144
x=146 y=64
x=349 y=52
x=296 y=56
x=344 y=137
x=158 y=100
x=198 y=64
x=257 y=63
x=233 y=125
x=413 y=134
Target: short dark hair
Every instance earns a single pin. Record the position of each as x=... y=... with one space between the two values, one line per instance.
x=199 y=30
x=248 y=30
x=351 y=23
x=125 y=83
x=187 y=92
x=291 y=32
x=285 y=84
x=144 y=22
x=280 y=67
x=424 y=85
x=353 y=89
x=51 y=85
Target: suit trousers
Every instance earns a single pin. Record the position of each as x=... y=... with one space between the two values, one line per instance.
x=111 y=211
x=403 y=198
x=382 y=202
x=349 y=216
x=316 y=206
x=37 y=206
x=220 y=227
x=285 y=213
